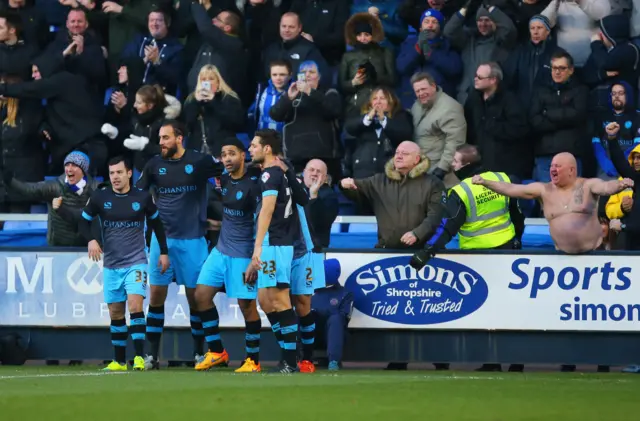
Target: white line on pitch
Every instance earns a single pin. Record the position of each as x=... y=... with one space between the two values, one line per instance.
x=35 y=376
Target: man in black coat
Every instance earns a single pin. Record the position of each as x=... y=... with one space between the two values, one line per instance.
x=497 y=124
x=558 y=117
x=15 y=54
x=73 y=119
x=323 y=201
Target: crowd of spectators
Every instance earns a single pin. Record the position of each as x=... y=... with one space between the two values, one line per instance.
x=370 y=94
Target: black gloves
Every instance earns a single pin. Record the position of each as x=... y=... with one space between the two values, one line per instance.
x=421 y=258
x=440 y=173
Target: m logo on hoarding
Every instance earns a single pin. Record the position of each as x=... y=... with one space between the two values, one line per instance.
x=391 y=290
x=85 y=276
x=43 y=269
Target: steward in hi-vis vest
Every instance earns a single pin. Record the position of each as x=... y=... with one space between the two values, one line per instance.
x=482 y=218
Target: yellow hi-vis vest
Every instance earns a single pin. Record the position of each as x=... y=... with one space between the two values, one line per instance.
x=488 y=223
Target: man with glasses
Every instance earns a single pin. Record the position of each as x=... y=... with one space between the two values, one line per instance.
x=558 y=117
x=495 y=119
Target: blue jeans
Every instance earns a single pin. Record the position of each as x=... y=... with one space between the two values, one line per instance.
x=542 y=167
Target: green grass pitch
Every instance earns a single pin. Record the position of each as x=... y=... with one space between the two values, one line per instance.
x=82 y=393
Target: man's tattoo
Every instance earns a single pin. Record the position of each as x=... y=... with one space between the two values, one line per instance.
x=578 y=195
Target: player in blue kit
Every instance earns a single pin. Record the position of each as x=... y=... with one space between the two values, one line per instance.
x=227 y=262
x=277 y=229
x=121 y=212
x=179 y=180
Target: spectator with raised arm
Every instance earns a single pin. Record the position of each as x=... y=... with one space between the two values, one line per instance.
x=310 y=113
x=323 y=200
x=212 y=112
x=491 y=40
x=367 y=65
x=574 y=22
x=429 y=52
x=406 y=200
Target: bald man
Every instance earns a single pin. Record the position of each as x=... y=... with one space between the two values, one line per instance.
x=323 y=201
x=570 y=202
x=406 y=200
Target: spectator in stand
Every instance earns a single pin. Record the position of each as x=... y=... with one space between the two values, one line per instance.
x=332 y=307
x=629 y=224
x=212 y=112
x=223 y=47
x=613 y=59
x=528 y=66
x=74 y=187
x=16 y=55
x=323 y=201
x=394 y=28
x=268 y=96
x=262 y=26
x=125 y=21
x=432 y=53
x=377 y=132
x=21 y=142
x=81 y=51
x=621 y=111
x=620 y=205
x=576 y=20
x=156 y=58
x=497 y=124
x=439 y=126
x=295 y=48
x=310 y=113
x=412 y=11
x=406 y=200
x=119 y=100
x=491 y=40
x=34 y=24
x=558 y=115
x=72 y=117
x=366 y=66
x=139 y=132
x=526 y=10
x=323 y=23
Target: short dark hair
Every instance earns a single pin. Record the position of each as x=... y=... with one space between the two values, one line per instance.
x=560 y=53
x=420 y=76
x=283 y=63
x=271 y=138
x=470 y=153
x=13 y=20
x=234 y=21
x=178 y=128
x=78 y=9
x=118 y=159
x=165 y=14
x=233 y=141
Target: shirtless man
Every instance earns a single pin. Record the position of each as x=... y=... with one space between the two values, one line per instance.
x=570 y=203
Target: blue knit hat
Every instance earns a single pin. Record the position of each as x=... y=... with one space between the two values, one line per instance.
x=79 y=159
x=543 y=20
x=434 y=14
x=331 y=271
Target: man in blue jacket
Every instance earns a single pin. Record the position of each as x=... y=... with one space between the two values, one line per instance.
x=157 y=56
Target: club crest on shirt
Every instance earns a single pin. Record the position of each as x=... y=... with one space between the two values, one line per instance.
x=188 y=168
x=239 y=195
x=224 y=192
x=135 y=206
x=265 y=177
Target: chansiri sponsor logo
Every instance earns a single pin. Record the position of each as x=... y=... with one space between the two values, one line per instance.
x=442 y=291
x=178 y=189
x=541 y=281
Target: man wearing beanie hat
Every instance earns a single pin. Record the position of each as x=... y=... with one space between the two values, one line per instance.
x=495 y=37
x=332 y=307
x=430 y=53
x=65 y=197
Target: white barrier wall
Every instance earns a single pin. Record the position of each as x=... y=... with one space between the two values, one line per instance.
x=455 y=291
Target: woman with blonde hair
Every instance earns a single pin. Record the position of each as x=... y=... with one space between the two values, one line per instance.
x=22 y=155
x=376 y=132
x=139 y=130
x=212 y=112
